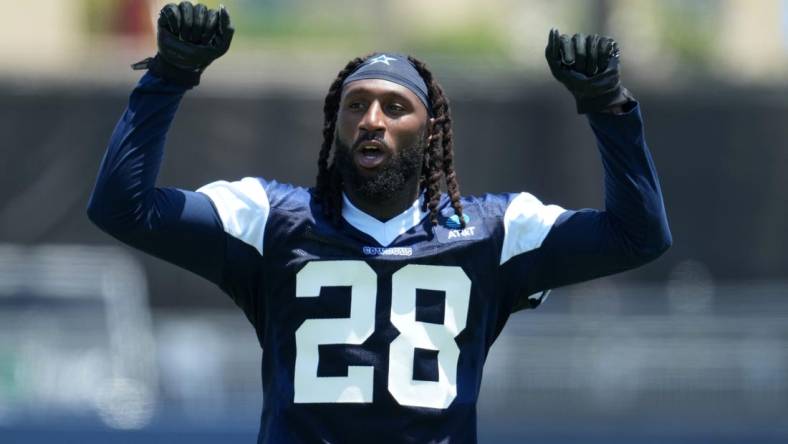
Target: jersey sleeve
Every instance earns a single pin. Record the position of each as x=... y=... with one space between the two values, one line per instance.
x=244 y=208
x=545 y=246
x=179 y=226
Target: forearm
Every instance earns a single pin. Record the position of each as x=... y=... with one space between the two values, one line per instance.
x=633 y=196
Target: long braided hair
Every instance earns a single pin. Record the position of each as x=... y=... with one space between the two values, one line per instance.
x=438 y=162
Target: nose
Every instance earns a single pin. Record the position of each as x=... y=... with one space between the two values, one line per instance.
x=373 y=120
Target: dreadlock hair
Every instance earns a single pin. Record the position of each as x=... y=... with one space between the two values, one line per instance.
x=438 y=162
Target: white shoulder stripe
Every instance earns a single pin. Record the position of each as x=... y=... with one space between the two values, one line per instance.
x=243 y=207
x=526 y=223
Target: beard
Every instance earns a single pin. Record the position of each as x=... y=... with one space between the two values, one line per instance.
x=392 y=177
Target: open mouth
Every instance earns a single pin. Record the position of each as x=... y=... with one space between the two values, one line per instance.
x=370 y=154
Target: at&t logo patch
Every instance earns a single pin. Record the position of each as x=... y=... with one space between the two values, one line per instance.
x=452 y=229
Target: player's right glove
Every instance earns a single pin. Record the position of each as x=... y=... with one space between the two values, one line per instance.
x=588 y=67
x=189 y=39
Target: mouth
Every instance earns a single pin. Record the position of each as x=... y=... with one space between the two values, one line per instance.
x=370 y=154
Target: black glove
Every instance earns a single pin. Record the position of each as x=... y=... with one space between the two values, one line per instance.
x=189 y=39
x=588 y=67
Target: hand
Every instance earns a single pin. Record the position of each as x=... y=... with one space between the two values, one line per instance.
x=588 y=67
x=189 y=39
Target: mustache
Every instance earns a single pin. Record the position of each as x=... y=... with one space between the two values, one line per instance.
x=367 y=138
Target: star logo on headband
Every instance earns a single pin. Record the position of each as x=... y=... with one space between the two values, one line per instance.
x=383 y=58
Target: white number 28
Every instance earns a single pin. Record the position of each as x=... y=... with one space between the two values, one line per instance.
x=356 y=387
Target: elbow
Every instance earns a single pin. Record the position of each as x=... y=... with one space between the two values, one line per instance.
x=100 y=214
x=117 y=216
x=103 y=215
x=654 y=246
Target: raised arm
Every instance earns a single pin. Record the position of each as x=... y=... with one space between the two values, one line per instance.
x=633 y=228
x=179 y=226
x=175 y=225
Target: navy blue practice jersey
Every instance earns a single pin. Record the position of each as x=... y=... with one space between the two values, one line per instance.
x=374 y=331
x=374 y=326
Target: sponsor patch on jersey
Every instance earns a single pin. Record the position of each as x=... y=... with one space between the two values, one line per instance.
x=453 y=222
x=390 y=251
x=469 y=232
x=451 y=230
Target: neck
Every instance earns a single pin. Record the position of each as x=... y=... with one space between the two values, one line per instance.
x=384 y=210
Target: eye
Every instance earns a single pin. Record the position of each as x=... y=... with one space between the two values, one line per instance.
x=396 y=108
x=355 y=106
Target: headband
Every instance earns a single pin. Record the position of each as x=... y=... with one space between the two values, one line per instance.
x=394 y=68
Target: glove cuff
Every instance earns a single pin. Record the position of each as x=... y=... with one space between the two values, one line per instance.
x=161 y=68
x=618 y=96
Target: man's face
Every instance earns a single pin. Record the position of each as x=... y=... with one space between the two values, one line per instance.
x=381 y=136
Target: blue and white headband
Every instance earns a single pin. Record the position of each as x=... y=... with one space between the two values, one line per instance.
x=394 y=68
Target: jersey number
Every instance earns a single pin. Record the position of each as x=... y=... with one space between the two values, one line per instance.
x=356 y=387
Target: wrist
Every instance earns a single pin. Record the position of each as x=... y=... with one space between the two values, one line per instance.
x=617 y=101
x=170 y=72
x=613 y=109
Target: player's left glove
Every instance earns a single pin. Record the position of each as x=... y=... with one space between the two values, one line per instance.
x=588 y=67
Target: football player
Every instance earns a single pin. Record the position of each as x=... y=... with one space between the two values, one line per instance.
x=374 y=295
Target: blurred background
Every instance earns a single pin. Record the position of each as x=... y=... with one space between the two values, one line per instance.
x=99 y=342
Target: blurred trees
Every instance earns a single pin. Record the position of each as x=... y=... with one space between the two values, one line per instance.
x=664 y=40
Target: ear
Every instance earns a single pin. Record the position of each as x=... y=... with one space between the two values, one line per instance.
x=430 y=129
